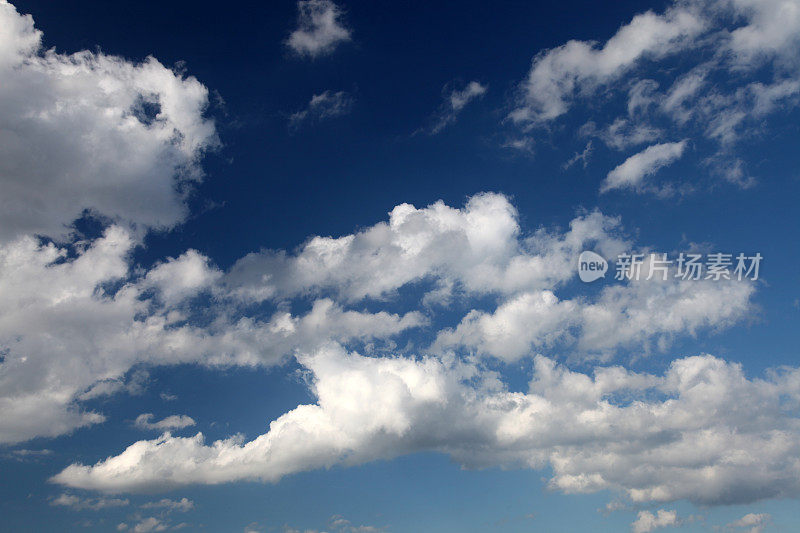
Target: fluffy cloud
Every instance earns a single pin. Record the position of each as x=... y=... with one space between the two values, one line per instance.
x=702 y=431
x=643 y=314
x=319 y=30
x=92 y=132
x=74 y=321
x=454 y=102
x=632 y=172
x=647 y=521
x=145 y=421
x=322 y=106
x=479 y=248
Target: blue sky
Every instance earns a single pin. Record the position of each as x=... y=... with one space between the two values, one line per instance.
x=312 y=266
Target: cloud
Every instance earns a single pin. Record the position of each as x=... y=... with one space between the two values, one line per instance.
x=706 y=71
x=455 y=100
x=319 y=30
x=478 y=248
x=702 y=431
x=77 y=503
x=632 y=172
x=644 y=314
x=183 y=505
x=149 y=524
x=322 y=106
x=580 y=67
x=93 y=132
x=144 y=421
x=73 y=322
x=647 y=521
x=754 y=523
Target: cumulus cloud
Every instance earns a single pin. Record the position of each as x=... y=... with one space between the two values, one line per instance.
x=644 y=314
x=479 y=248
x=702 y=431
x=71 y=328
x=319 y=28
x=145 y=421
x=631 y=173
x=93 y=132
x=322 y=106
x=455 y=100
x=647 y=521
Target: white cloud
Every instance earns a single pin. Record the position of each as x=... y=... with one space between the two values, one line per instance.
x=579 y=67
x=77 y=503
x=647 y=521
x=322 y=106
x=149 y=524
x=183 y=505
x=454 y=102
x=753 y=522
x=738 y=64
x=632 y=172
x=144 y=421
x=479 y=248
x=319 y=30
x=702 y=431
x=641 y=314
x=89 y=131
x=72 y=327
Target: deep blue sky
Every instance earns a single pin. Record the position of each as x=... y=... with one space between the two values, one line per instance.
x=270 y=187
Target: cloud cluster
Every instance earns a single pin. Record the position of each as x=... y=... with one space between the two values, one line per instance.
x=705 y=71
x=320 y=29
x=647 y=521
x=702 y=431
x=93 y=132
x=74 y=322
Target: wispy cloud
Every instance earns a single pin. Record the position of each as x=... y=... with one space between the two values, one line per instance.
x=631 y=173
x=455 y=100
x=144 y=421
x=319 y=30
x=321 y=107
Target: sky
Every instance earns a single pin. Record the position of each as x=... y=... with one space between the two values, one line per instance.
x=315 y=266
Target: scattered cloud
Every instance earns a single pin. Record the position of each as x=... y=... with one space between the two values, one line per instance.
x=144 y=421
x=321 y=107
x=730 y=65
x=754 y=523
x=319 y=28
x=183 y=505
x=77 y=503
x=631 y=173
x=647 y=521
x=455 y=100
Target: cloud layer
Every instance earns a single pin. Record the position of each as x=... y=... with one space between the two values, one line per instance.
x=93 y=132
